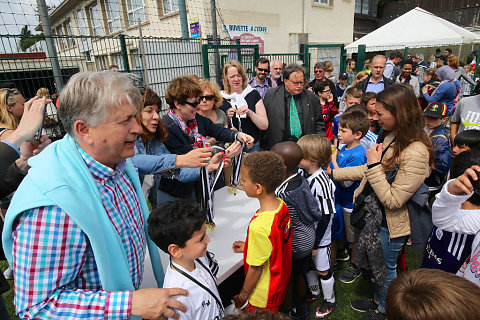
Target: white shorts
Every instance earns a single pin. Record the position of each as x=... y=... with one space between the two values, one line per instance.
x=322 y=259
x=327 y=236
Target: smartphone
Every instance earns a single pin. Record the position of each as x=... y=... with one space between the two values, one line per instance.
x=39 y=132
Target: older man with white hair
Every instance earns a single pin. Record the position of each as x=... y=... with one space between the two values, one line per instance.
x=76 y=228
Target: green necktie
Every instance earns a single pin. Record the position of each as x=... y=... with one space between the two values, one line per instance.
x=295 y=126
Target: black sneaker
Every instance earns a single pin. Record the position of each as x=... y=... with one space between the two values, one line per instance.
x=375 y=315
x=325 y=309
x=352 y=273
x=342 y=255
x=294 y=315
x=363 y=305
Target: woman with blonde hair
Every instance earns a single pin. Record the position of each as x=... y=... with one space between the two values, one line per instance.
x=329 y=71
x=11 y=110
x=459 y=71
x=359 y=77
x=243 y=104
x=350 y=70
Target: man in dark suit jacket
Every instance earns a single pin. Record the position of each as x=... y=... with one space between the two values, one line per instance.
x=376 y=81
x=292 y=110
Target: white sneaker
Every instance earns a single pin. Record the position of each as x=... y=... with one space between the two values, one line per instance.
x=8 y=274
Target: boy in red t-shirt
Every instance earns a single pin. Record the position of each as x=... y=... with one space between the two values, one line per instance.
x=322 y=89
x=268 y=247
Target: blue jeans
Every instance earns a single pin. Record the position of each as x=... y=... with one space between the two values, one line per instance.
x=391 y=249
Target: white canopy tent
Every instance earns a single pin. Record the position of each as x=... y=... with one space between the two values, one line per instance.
x=416 y=28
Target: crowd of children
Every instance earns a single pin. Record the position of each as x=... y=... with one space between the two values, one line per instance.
x=302 y=227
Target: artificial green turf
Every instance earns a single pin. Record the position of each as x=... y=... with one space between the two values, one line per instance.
x=362 y=288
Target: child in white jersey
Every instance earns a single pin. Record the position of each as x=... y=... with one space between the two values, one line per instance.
x=316 y=152
x=457 y=208
x=178 y=228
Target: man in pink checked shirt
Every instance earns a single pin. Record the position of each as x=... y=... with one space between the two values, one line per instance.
x=75 y=233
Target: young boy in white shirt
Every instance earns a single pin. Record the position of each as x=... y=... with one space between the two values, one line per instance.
x=178 y=228
x=457 y=208
x=316 y=155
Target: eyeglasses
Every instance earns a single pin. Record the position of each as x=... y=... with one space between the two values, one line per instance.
x=299 y=83
x=208 y=97
x=264 y=70
x=327 y=91
x=318 y=71
x=193 y=104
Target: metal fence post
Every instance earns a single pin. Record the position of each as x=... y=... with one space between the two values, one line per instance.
x=256 y=56
x=239 y=50
x=182 y=8
x=52 y=52
x=405 y=53
x=307 y=61
x=360 y=57
x=123 y=48
x=206 y=66
x=343 y=58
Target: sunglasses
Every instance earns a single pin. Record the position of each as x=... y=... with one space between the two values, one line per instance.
x=7 y=95
x=193 y=104
x=208 y=97
x=264 y=70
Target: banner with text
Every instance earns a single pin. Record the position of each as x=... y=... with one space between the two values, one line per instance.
x=248 y=34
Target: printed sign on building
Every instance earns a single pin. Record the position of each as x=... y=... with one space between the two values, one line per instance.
x=248 y=34
x=194 y=28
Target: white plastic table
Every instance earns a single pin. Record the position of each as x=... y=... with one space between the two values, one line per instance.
x=232 y=215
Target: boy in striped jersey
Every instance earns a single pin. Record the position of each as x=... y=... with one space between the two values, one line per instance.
x=304 y=212
x=316 y=155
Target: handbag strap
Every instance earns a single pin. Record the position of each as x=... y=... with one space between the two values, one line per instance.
x=201 y=285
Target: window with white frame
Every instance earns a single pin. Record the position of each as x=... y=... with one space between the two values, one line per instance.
x=95 y=20
x=87 y=56
x=170 y=6
x=136 y=10
x=136 y=58
x=323 y=2
x=57 y=45
x=117 y=60
x=69 y=33
x=62 y=42
x=113 y=16
x=81 y=23
x=101 y=62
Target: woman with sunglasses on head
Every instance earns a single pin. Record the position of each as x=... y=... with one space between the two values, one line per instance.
x=11 y=110
x=210 y=101
x=243 y=104
x=187 y=130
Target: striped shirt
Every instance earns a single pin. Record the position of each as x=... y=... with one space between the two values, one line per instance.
x=323 y=190
x=56 y=276
x=369 y=140
x=303 y=233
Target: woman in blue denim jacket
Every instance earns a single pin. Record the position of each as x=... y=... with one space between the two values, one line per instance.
x=151 y=155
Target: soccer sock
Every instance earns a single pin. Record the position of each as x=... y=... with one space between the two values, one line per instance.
x=327 y=288
x=313 y=284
